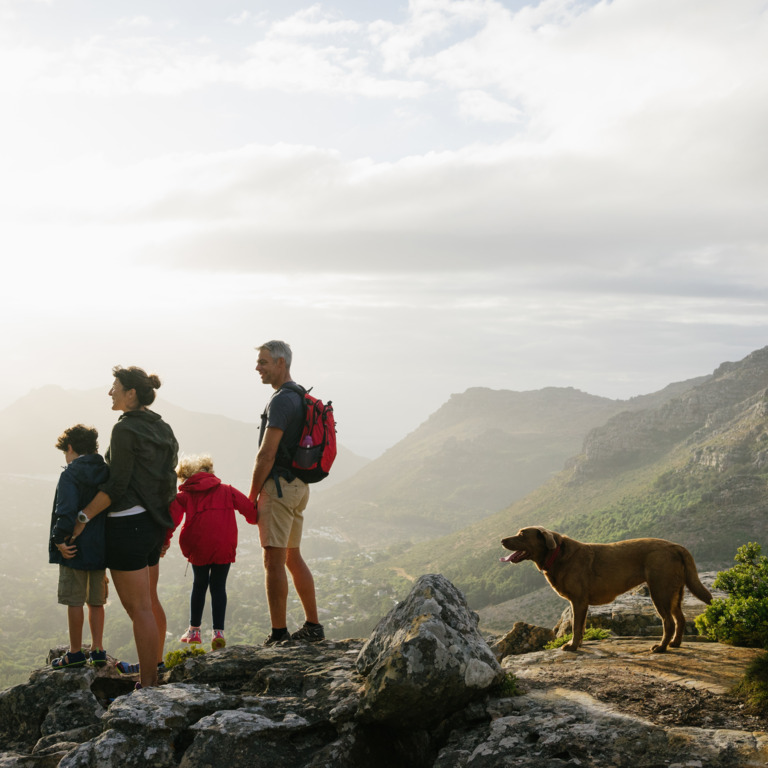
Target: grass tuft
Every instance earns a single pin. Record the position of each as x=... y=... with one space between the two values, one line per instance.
x=590 y=633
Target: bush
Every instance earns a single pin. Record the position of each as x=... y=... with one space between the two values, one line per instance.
x=174 y=658
x=753 y=687
x=507 y=688
x=742 y=617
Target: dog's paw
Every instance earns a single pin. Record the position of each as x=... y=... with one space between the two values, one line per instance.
x=570 y=647
x=658 y=649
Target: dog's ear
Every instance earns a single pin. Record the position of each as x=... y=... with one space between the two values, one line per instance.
x=548 y=537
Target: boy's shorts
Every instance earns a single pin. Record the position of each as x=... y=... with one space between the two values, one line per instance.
x=78 y=587
x=133 y=542
x=281 y=519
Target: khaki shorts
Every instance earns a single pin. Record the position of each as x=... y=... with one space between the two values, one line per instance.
x=77 y=587
x=281 y=519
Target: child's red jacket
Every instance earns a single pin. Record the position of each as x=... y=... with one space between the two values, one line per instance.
x=209 y=533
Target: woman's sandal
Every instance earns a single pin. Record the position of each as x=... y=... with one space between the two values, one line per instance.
x=69 y=659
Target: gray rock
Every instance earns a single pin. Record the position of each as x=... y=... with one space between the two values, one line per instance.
x=113 y=749
x=426 y=656
x=167 y=709
x=522 y=638
x=24 y=707
x=73 y=711
x=65 y=741
x=550 y=728
x=242 y=739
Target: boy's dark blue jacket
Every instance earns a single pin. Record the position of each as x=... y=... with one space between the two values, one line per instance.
x=78 y=484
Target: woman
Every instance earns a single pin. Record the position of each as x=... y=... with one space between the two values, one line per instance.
x=142 y=458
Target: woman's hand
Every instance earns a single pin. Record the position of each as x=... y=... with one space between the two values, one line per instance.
x=78 y=529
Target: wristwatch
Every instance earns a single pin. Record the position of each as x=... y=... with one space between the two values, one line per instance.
x=82 y=517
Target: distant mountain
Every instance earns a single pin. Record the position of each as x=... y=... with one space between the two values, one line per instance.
x=31 y=425
x=478 y=453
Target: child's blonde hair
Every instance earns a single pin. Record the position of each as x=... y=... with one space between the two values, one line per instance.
x=189 y=465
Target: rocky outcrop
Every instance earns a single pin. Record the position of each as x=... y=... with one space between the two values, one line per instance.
x=424 y=690
x=346 y=703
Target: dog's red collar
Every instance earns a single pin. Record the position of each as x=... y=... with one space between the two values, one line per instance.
x=552 y=557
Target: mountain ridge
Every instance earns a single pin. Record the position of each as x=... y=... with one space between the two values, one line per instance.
x=476 y=454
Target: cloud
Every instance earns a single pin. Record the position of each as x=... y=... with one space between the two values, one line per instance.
x=313 y=22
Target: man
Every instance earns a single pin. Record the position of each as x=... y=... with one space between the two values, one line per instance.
x=281 y=498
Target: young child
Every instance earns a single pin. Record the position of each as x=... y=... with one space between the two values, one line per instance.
x=82 y=578
x=208 y=539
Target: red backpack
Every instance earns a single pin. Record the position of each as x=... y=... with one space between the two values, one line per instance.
x=312 y=458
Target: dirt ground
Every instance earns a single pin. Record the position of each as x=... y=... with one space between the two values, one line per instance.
x=687 y=686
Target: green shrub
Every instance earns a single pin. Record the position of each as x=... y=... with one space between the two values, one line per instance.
x=174 y=658
x=753 y=687
x=742 y=617
x=590 y=633
x=507 y=687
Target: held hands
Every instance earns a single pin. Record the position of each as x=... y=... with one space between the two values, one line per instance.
x=67 y=548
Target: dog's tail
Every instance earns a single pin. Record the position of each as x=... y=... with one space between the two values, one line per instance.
x=692 y=578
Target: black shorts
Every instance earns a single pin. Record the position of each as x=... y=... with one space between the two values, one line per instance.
x=133 y=542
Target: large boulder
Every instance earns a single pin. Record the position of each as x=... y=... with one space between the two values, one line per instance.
x=426 y=656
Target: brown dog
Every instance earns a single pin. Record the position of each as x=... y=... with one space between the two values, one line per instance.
x=595 y=574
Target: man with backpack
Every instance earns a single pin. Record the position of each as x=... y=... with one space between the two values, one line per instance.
x=281 y=497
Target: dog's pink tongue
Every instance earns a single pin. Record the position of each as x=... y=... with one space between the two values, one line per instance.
x=515 y=557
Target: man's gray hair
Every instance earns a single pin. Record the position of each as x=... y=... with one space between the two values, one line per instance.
x=278 y=349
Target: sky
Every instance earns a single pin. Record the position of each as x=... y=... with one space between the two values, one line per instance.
x=421 y=197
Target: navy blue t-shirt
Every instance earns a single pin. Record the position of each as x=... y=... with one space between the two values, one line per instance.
x=284 y=411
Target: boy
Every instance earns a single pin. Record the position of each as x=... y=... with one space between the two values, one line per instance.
x=82 y=578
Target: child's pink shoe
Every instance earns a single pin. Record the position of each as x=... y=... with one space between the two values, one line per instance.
x=192 y=635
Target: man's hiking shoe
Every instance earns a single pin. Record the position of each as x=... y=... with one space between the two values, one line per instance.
x=161 y=667
x=69 y=659
x=283 y=636
x=217 y=639
x=192 y=635
x=126 y=668
x=309 y=633
x=98 y=658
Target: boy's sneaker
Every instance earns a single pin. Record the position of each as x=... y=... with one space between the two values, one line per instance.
x=192 y=635
x=98 y=657
x=217 y=639
x=281 y=636
x=309 y=633
x=126 y=668
x=69 y=659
